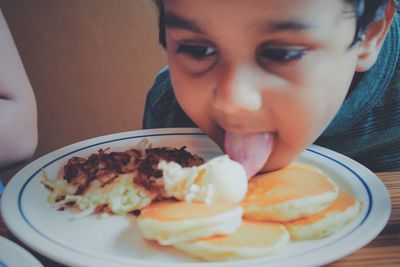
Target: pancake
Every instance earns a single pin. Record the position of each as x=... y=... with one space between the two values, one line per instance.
x=252 y=239
x=326 y=222
x=288 y=194
x=170 y=222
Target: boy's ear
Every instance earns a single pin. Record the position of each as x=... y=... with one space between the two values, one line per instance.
x=372 y=41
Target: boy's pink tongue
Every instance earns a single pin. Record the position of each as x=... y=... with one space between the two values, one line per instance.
x=250 y=150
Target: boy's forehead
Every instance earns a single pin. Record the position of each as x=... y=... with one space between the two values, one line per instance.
x=268 y=14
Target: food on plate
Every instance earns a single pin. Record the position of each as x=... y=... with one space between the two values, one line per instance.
x=220 y=180
x=298 y=202
x=120 y=195
x=208 y=210
x=114 y=182
x=171 y=222
x=252 y=239
x=288 y=194
x=326 y=222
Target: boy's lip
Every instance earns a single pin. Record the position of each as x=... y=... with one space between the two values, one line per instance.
x=240 y=129
x=220 y=136
x=242 y=124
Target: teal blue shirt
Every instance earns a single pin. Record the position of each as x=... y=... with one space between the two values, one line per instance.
x=366 y=127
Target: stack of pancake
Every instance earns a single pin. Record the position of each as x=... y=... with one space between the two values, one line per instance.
x=296 y=203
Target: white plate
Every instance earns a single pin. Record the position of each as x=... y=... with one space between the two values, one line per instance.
x=116 y=240
x=13 y=255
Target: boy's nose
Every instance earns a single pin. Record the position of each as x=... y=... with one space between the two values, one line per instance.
x=237 y=89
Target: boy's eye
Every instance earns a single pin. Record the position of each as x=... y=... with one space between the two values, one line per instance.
x=281 y=55
x=197 y=52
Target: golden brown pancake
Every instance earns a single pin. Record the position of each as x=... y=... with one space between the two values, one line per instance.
x=170 y=222
x=326 y=222
x=252 y=239
x=288 y=194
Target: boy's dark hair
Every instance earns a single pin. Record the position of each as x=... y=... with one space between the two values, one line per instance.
x=366 y=11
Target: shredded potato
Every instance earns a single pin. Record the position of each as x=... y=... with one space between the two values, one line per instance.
x=115 y=182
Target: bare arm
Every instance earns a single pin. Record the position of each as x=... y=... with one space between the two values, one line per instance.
x=18 y=114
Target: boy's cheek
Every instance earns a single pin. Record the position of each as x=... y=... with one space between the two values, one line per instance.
x=291 y=140
x=195 y=100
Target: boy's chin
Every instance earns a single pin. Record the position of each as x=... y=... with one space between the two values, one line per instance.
x=274 y=164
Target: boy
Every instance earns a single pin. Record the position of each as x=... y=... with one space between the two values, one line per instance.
x=265 y=79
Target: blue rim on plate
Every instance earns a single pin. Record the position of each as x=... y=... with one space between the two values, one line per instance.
x=317 y=152
x=370 y=201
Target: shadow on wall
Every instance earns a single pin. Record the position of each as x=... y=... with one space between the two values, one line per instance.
x=90 y=63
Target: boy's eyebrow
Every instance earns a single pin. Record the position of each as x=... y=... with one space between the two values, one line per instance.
x=286 y=26
x=175 y=21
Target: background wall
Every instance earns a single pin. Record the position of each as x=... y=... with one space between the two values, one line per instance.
x=90 y=63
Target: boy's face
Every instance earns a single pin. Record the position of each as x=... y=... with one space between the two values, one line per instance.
x=261 y=66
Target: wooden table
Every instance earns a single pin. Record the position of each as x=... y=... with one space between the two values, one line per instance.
x=384 y=250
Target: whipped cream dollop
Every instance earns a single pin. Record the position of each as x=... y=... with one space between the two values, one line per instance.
x=220 y=180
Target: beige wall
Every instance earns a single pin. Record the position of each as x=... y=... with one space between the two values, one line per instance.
x=90 y=63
